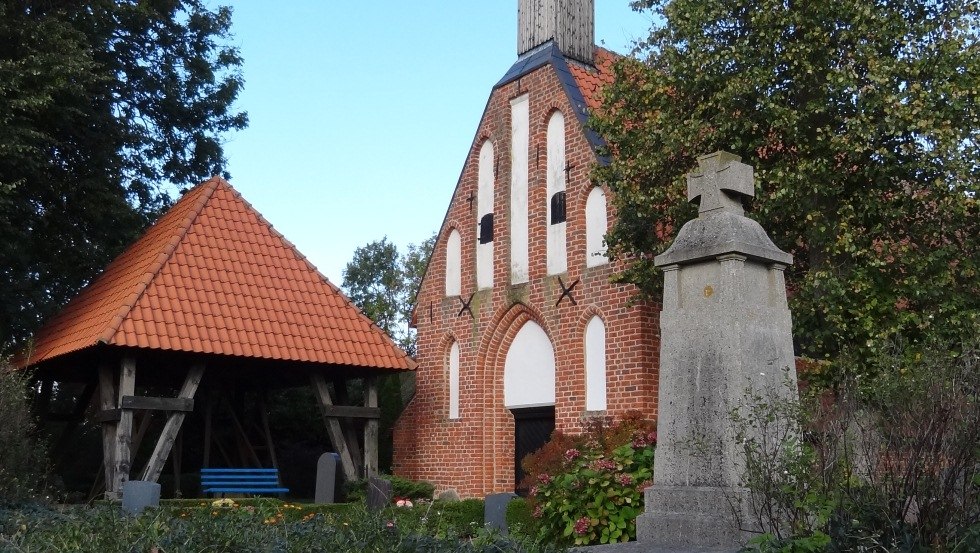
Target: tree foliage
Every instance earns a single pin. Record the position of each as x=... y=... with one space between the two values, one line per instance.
x=383 y=284
x=104 y=105
x=862 y=121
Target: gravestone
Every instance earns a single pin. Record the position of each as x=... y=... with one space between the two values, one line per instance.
x=725 y=332
x=495 y=511
x=326 y=478
x=378 y=493
x=138 y=495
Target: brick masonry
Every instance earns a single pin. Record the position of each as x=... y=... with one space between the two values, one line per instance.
x=474 y=454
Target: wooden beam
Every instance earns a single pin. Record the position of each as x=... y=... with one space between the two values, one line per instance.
x=342 y=400
x=351 y=412
x=108 y=415
x=124 y=429
x=371 y=428
x=170 y=430
x=333 y=427
x=182 y=404
x=107 y=401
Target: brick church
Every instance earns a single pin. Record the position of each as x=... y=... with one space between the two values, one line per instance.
x=520 y=330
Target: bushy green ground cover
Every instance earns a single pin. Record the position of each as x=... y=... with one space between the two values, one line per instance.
x=264 y=525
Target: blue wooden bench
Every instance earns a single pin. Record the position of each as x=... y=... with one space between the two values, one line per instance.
x=251 y=481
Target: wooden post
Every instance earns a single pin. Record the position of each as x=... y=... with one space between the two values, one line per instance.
x=107 y=400
x=346 y=424
x=176 y=461
x=333 y=428
x=124 y=430
x=371 y=428
x=162 y=450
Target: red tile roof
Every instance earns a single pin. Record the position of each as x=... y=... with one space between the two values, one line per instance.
x=213 y=277
x=590 y=80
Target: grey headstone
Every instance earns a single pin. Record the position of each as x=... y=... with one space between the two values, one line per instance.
x=725 y=333
x=495 y=511
x=326 y=478
x=378 y=493
x=138 y=495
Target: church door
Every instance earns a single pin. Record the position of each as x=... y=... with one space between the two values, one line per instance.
x=532 y=429
x=529 y=391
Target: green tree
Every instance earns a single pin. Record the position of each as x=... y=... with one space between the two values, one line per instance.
x=104 y=105
x=383 y=284
x=862 y=121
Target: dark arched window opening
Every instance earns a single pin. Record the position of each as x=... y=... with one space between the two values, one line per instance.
x=558 y=208
x=486 y=228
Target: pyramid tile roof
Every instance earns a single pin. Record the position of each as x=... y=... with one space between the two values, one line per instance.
x=213 y=277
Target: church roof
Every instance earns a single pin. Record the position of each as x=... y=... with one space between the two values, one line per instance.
x=582 y=83
x=213 y=277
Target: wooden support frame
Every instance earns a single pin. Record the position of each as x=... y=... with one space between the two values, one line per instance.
x=154 y=466
x=182 y=404
x=342 y=397
x=124 y=429
x=107 y=401
x=371 y=428
x=344 y=449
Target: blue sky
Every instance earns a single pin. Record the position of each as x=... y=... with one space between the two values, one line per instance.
x=361 y=113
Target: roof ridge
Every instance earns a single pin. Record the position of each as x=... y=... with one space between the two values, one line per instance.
x=162 y=259
x=309 y=264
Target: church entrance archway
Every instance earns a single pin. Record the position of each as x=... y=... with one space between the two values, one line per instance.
x=529 y=391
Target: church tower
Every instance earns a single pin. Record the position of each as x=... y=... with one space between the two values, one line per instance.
x=570 y=23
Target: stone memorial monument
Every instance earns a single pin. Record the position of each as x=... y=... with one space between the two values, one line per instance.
x=326 y=478
x=725 y=332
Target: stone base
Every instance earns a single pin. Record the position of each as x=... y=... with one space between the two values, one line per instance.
x=694 y=517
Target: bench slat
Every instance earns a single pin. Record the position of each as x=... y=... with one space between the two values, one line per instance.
x=241 y=480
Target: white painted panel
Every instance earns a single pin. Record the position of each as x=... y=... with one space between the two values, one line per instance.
x=454 y=258
x=519 y=139
x=557 y=255
x=529 y=369
x=596 y=224
x=484 y=205
x=595 y=365
x=454 y=381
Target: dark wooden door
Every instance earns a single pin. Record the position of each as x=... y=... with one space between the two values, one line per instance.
x=532 y=429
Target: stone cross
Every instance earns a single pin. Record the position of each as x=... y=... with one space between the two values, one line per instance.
x=722 y=182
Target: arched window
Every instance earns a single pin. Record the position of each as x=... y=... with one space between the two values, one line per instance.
x=484 y=218
x=596 y=224
x=454 y=381
x=454 y=259
x=557 y=256
x=595 y=365
x=519 y=139
x=529 y=369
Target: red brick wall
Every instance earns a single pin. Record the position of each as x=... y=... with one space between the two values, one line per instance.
x=474 y=454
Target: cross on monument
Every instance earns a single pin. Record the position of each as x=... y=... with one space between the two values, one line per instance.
x=722 y=182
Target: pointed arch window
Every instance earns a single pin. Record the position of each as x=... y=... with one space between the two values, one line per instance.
x=454 y=381
x=595 y=365
x=484 y=217
x=596 y=224
x=557 y=255
x=454 y=260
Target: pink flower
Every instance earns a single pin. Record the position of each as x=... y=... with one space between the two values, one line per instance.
x=534 y=490
x=537 y=512
x=605 y=464
x=625 y=479
x=582 y=526
x=652 y=437
x=390 y=524
x=572 y=454
x=544 y=478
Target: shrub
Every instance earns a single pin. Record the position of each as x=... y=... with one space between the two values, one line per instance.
x=594 y=491
x=22 y=458
x=881 y=464
x=520 y=520
x=260 y=527
x=400 y=487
